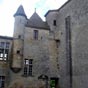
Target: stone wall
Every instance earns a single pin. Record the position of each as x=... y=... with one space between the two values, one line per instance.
x=37 y=50
x=77 y=10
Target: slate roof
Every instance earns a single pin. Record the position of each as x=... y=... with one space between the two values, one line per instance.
x=36 y=22
x=6 y=37
x=20 y=11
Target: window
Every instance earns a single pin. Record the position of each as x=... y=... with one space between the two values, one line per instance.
x=30 y=70
x=25 y=71
x=7 y=44
x=1 y=54
x=57 y=43
x=28 y=67
x=26 y=62
x=36 y=34
x=54 y=23
x=18 y=51
x=30 y=61
x=4 y=50
x=2 y=81
x=19 y=36
x=2 y=44
x=4 y=54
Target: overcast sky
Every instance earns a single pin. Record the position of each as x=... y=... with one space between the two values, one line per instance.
x=9 y=7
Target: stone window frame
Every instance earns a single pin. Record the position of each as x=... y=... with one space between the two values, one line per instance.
x=28 y=64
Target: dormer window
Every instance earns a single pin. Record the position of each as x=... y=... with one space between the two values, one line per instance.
x=54 y=23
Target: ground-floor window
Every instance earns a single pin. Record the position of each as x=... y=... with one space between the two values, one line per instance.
x=2 y=81
x=28 y=63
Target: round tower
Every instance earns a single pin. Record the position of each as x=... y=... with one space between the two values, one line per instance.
x=18 y=41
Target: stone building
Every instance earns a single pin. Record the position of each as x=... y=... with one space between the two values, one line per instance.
x=30 y=61
x=71 y=29
x=47 y=54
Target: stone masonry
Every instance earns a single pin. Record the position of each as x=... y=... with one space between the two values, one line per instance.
x=47 y=54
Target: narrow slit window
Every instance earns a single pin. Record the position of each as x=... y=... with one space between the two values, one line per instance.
x=57 y=43
x=36 y=34
x=54 y=23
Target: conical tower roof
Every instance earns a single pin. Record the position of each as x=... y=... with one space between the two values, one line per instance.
x=20 y=11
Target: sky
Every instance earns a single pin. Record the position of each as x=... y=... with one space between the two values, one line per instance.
x=9 y=7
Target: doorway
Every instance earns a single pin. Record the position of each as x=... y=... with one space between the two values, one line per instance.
x=54 y=82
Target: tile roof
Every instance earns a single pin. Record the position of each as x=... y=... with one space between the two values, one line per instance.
x=6 y=37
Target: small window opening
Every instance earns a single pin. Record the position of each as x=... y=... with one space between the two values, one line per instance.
x=57 y=43
x=41 y=37
x=18 y=51
x=19 y=36
x=54 y=23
